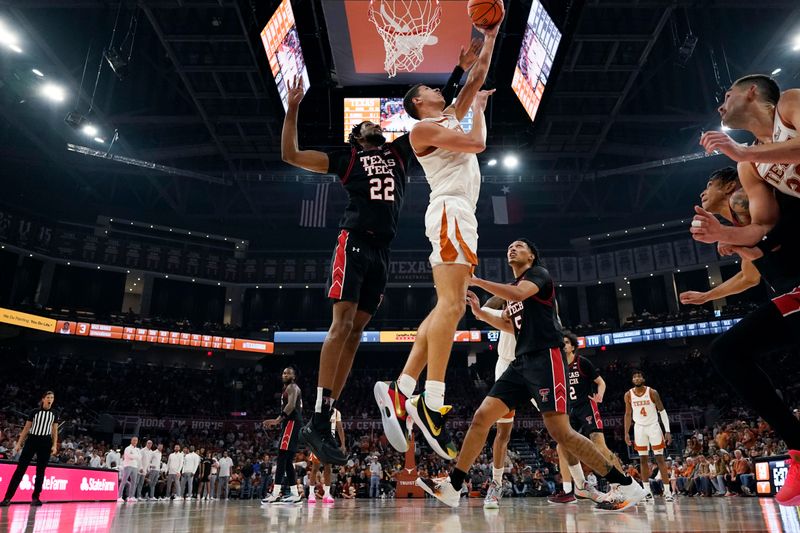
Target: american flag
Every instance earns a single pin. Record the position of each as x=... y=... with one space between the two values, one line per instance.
x=314 y=205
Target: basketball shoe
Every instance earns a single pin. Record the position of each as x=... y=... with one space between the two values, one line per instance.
x=441 y=490
x=789 y=495
x=588 y=492
x=312 y=498
x=272 y=498
x=562 y=497
x=493 y=496
x=622 y=497
x=432 y=424
x=291 y=499
x=317 y=435
x=392 y=405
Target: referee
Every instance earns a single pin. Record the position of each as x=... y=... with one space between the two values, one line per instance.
x=40 y=438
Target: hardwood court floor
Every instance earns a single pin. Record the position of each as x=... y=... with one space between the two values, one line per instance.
x=403 y=516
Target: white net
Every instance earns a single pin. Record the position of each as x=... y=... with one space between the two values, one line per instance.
x=405 y=26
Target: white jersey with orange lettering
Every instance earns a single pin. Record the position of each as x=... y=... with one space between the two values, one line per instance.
x=455 y=181
x=784 y=177
x=644 y=408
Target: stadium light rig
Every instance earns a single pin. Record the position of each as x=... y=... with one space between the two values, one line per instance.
x=510 y=161
x=53 y=92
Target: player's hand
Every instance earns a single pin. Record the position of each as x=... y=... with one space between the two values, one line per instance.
x=53 y=451
x=269 y=424
x=668 y=438
x=693 y=298
x=295 y=91
x=716 y=141
x=507 y=314
x=705 y=226
x=490 y=32
x=628 y=440
x=596 y=398
x=480 y=101
x=16 y=449
x=468 y=57
x=473 y=302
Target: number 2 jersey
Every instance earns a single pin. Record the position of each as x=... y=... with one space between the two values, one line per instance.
x=536 y=323
x=375 y=181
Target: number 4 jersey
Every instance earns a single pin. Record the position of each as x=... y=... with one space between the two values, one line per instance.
x=375 y=181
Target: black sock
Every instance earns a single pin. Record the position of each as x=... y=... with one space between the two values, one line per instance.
x=457 y=478
x=615 y=476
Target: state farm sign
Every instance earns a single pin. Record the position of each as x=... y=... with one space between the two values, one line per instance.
x=63 y=484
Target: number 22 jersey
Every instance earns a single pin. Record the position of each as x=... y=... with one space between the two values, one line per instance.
x=375 y=181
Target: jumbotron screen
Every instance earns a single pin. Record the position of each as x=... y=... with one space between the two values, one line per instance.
x=282 y=45
x=388 y=112
x=539 y=45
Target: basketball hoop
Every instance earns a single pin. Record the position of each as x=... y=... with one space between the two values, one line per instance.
x=405 y=27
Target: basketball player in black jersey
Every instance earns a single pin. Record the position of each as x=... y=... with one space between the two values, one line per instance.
x=769 y=171
x=373 y=172
x=290 y=420
x=537 y=373
x=586 y=389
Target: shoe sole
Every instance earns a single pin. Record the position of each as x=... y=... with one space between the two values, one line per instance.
x=491 y=505
x=627 y=504
x=424 y=486
x=391 y=425
x=794 y=502
x=434 y=444
x=562 y=503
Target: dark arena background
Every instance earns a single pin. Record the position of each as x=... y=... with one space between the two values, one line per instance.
x=161 y=265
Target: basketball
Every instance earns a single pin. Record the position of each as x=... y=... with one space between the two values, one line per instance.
x=485 y=13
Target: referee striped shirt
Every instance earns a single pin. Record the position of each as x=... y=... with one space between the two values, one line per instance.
x=42 y=421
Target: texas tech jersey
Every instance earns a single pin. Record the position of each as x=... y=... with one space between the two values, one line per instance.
x=582 y=374
x=536 y=323
x=375 y=181
x=297 y=414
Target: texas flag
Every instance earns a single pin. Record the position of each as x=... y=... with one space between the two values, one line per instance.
x=507 y=208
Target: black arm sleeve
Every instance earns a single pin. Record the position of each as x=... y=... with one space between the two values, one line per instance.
x=451 y=87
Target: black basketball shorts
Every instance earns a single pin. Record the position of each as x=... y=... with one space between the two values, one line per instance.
x=585 y=418
x=539 y=377
x=359 y=272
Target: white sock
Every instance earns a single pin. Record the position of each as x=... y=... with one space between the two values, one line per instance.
x=434 y=394
x=646 y=486
x=667 y=489
x=327 y=491
x=567 y=487
x=577 y=476
x=276 y=490
x=497 y=475
x=318 y=404
x=293 y=490
x=406 y=384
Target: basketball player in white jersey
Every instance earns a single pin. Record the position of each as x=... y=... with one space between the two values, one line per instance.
x=448 y=156
x=769 y=171
x=644 y=405
x=493 y=313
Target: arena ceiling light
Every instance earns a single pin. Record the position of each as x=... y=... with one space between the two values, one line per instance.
x=37 y=72
x=492 y=162
x=510 y=161
x=776 y=71
x=796 y=46
x=89 y=130
x=53 y=92
x=9 y=39
x=99 y=140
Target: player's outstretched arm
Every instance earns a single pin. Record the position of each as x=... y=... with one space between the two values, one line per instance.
x=514 y=293
x=477 y=76
x=311 y=160
x=746 y=278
